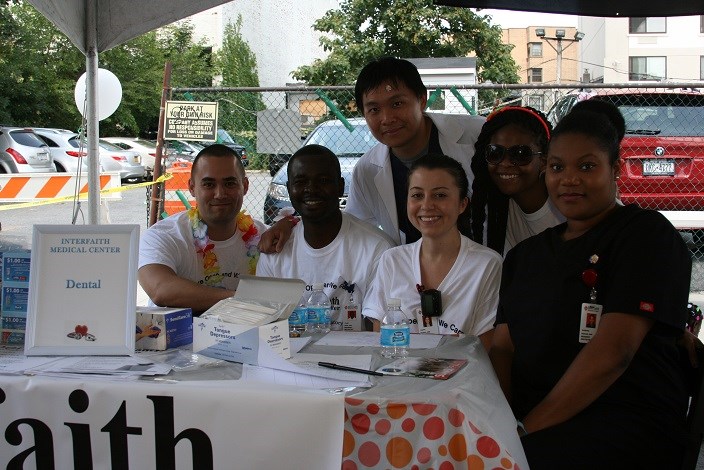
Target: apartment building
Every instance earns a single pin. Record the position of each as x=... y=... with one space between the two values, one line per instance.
x=539 y=56
x=621 y=50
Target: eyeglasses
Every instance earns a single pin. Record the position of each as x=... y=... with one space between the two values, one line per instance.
x=518 y=155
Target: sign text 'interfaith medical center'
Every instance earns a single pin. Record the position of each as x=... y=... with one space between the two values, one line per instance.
x=191 y=120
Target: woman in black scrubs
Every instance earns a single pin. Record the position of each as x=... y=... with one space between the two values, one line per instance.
x=589 y=315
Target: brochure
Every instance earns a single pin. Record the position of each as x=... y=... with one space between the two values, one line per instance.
x=425 y=367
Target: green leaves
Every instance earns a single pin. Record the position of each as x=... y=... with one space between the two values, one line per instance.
x=39 y=68
x=365 y=29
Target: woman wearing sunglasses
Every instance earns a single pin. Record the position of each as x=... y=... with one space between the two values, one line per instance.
x=509 y=195
x=589 y=315
x=444 y=274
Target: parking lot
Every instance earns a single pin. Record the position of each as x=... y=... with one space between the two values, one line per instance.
x=16 y=229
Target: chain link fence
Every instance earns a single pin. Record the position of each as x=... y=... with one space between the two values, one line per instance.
x=662 y=153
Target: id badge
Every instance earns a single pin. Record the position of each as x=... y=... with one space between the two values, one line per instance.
x=589 y=322
x=426 y=324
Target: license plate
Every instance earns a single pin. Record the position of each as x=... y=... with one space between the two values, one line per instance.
x=43 y=157
x=656 y=167
x=136 y=158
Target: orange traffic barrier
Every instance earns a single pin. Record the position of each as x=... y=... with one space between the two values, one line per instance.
x=16 y=188
x=181 y=172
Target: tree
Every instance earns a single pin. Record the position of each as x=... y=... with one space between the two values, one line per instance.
x=39 y=68
x=139 y=64
x=362 y=30
x=237 y=65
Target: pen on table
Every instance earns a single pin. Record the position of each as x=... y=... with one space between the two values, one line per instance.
x=330 y=365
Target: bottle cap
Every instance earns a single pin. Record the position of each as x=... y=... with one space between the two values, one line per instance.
x=393 y=302
x=318 y=286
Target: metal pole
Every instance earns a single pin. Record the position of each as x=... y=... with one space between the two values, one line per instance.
x=92 y=113
x=559 y=61
x=156 y=189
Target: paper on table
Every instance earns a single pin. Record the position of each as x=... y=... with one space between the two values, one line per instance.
x=111 y=365
x=298 y=343
x=307 y=363
x=371 y=338
x=310 y=362
x=13 y=361
x=282 y=377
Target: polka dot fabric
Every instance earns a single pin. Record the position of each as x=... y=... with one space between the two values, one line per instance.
x=416 y=436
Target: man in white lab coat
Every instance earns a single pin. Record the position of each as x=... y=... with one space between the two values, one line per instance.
x=391 y=96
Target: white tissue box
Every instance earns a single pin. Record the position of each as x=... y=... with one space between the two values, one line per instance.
x=227 y=332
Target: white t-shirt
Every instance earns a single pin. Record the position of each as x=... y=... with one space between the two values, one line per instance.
x=470 y=291
x=520 y=225
x=170 y=242
x=350 y=258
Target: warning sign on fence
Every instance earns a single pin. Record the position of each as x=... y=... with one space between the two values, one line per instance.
x=191 y=120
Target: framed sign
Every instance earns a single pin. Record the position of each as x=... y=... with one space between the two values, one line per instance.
x=82 y=290
x=191 y=120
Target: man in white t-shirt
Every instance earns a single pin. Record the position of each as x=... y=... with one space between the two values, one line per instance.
x=194 y=259
x=329 y=246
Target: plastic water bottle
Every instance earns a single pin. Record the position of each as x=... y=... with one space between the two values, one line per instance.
x=298 y=318
x=395 y=331
x=318 y=307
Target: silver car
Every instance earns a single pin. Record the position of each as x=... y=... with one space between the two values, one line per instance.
x=128 y=162
x=65 y=148
x=22 y=151
x=145 y=148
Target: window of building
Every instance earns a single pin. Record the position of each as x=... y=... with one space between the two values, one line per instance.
x=701 y=23
x=643 y=24
x=535 y=49
x=647 y=68
x=535 y=75
x=701 y=67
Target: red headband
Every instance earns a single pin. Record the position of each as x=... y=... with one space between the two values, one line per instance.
x=525 y=110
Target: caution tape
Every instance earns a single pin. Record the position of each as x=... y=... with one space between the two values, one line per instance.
x=54 y=200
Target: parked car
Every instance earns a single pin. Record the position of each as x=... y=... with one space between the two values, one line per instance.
x=128 y=162
x=349 y=146
x=183 y=147
x=145 y=148
x=22 y=151
x=64 y=146
x=226 y=139
x=662 y=154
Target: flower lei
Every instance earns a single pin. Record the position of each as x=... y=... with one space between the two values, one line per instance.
x=211 y=268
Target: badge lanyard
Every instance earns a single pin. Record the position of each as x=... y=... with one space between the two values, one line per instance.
x=591 y=311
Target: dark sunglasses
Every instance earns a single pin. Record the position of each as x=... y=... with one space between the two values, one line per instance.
x=518 y=155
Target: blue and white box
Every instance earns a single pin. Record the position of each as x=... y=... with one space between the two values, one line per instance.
x=161 y=328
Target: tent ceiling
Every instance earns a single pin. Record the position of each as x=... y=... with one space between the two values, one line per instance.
x=117 y=20
x=612 y=8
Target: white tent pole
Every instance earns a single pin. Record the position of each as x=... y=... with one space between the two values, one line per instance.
x=92 y=112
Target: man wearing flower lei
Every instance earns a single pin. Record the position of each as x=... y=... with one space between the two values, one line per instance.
x=194 y=259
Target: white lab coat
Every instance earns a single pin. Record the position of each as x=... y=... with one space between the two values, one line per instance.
x=371 y=195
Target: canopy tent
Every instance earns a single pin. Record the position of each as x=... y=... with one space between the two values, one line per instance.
x=95 y=26
x=611 y=8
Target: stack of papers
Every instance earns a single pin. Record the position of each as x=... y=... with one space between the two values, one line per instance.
x=13 y=361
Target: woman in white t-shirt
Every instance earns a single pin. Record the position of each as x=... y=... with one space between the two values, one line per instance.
x=509 y=200
x=464 y=275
